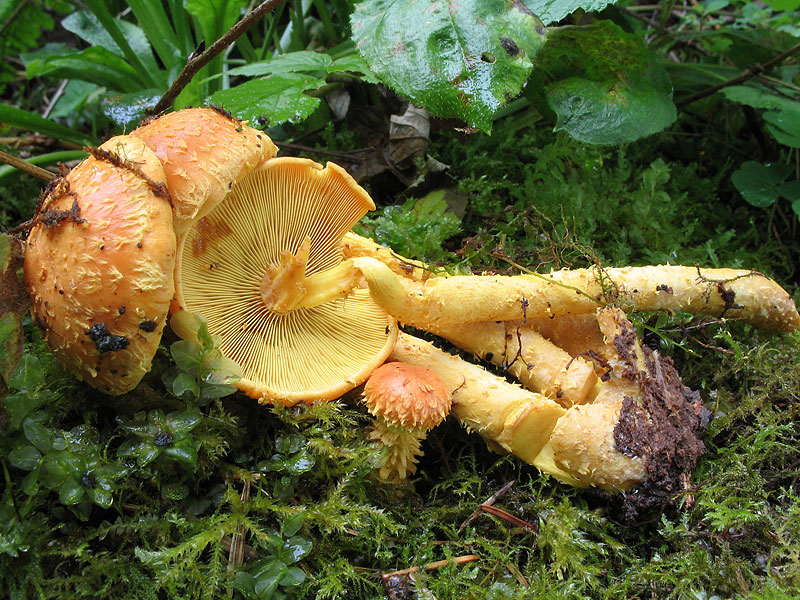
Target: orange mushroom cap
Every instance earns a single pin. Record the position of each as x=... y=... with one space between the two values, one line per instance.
x=407 y=396
x=99 y=264
x=204 y=153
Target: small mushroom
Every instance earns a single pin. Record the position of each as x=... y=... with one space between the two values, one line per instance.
x=276 y=238
x=406 y=401
x=99 y=264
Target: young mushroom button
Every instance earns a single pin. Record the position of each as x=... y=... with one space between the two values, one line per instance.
x=406 y=401
x=264 y=268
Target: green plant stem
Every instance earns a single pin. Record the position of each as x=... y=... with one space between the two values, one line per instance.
x=195 y=63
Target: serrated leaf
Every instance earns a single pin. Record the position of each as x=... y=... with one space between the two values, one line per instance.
x=758 y=183
x=277 y=98
x=552 y=11
x=456 y=59
x=758 y=97
x=604 y=85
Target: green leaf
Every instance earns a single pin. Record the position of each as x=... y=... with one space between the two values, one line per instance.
x=134 y=43
x=294 y=549
x=102 y=498
x=784 y=125
x=147 y=453
x=183 y=451
x=604 y=85
x=293 y=523
x=277 y=98
x=71 y=491
x=158 y=28
x=29 y=376
x=294 y=62
x=552 y=11
x=28 y=121
x=187 y=355
x=215 y=17
x=460 y=59
x=26 y=458
x=758 y=97
x=268 y=578
x=183 y=421
x=95 y=64
x=38 y=435
x=790 y=190
x=293 y=576
x=787 y=5
x=759 y=183
x=185 y=383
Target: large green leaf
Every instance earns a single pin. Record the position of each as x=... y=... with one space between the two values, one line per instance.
x=604 y=85
x=28 y=121
x=94 y=64
x=460 y=59
x=274 y=99
x=87 y=26
x=552 y=11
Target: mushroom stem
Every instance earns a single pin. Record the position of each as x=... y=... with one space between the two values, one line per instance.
x=286 y=287
x=733 y=293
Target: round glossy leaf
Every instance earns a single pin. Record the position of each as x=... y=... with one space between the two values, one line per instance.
x=25 y=458
x=460 y=59
x=758 y=183
x=604 y=85
x=71 y=491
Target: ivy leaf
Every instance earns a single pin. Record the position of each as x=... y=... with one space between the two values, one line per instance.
x=552 y=11
x=604 y=85
x=461 y=59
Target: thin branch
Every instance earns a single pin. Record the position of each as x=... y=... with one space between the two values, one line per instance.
x=748 y=73
x=197 y=62
x=489 y=501
x=24 y=165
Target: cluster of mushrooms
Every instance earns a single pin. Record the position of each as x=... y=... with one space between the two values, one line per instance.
x=194 y=212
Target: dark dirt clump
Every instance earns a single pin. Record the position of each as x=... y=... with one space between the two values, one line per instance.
x=663 y=428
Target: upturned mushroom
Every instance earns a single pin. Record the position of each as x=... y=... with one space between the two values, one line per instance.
x=406 y=401
x=99 y=264
x=262 y=268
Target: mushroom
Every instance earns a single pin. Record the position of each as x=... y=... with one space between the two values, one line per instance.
x=406 y=401
x=262 y=267
x=511 y=419
x=400 y=287
x=204 y=152
x=99 y=264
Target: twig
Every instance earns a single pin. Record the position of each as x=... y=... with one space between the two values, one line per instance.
x=458 y=560
x=197 y=62
x=508 y=517
x=748 y=73
x=24 y=165
x=491 y=500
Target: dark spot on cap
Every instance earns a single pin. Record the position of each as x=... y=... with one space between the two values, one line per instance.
x=104 y=340
x=489 y=356
x=147 y=325
x=139 y=245
x=122 y=310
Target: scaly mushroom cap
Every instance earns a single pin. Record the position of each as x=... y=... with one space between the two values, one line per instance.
x=407 y=396
x=204 y=153
x=226 y=262
x=99 y=264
